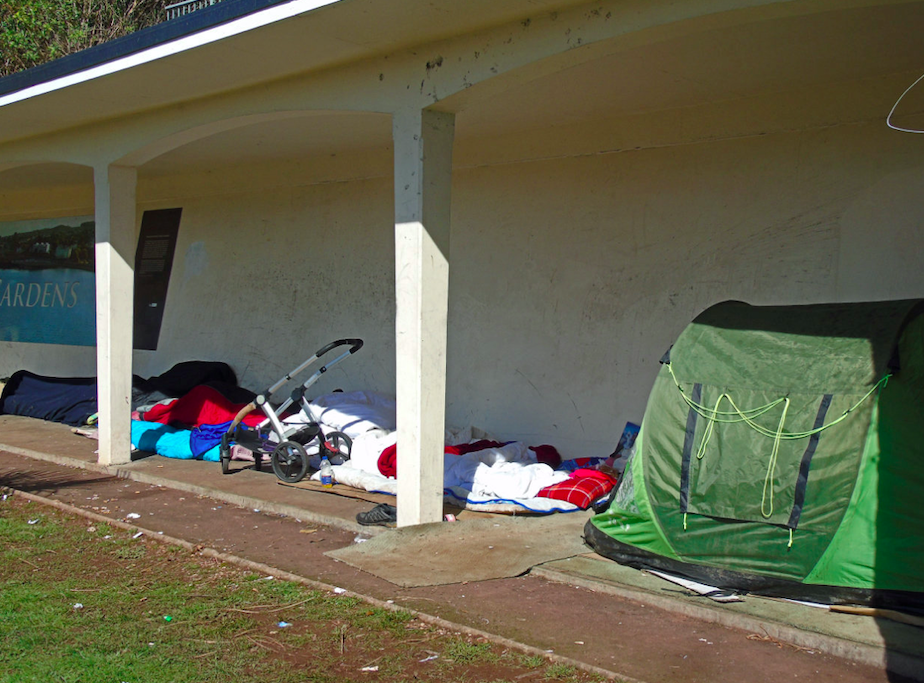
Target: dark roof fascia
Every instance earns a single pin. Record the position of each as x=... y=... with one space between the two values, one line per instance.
x=152 y=36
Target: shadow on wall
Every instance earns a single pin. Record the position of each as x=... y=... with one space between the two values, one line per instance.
x=899 y=521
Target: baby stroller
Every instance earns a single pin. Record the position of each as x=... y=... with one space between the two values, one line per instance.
x=288 y=452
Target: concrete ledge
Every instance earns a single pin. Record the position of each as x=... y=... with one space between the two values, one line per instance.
x=263 y=493
x=865 y=640
x=893 y=646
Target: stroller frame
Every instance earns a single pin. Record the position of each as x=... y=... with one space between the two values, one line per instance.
x=289 y=456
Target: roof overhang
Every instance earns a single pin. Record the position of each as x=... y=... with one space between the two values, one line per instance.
x=240 y=44
x=228 y=46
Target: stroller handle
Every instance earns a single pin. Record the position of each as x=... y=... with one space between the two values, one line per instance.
x=242 y=413
x=262 y=399
x=356 y=345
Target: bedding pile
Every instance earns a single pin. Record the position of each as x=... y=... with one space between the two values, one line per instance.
x=189 y=427
x=479 y=472
x=184 y=413
x=73 y=400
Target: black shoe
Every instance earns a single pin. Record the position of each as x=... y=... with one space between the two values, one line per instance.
x=382 y=514
x=602 y=504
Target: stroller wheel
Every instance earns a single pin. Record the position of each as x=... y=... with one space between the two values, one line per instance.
x=289 y=461
x=224 y=453
x=225 y=457
x=338 y=443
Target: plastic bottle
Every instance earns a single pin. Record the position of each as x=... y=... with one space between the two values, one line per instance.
x=327 y=473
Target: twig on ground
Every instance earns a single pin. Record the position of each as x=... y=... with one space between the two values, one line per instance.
x=277 y=646
x=259 y=609
x=767 y=638
x=421 y=640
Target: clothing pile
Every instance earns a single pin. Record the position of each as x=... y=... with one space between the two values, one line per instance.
x=184 y=412
x=73 y=400
x=479 y=471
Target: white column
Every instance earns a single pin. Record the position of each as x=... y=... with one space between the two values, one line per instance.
x=116 y=238
x=423 y=175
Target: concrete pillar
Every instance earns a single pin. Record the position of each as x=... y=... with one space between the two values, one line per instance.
x=423 y=175
x=116 y=238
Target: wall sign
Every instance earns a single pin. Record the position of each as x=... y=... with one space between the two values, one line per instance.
x=48 y=279
x=153 y=263
x=48 y=282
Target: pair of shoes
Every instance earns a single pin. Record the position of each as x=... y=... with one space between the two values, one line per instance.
x=382 y=514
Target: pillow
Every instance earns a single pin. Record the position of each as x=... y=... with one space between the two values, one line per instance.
x=581 y=491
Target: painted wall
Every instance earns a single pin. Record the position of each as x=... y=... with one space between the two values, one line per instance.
x=571 y=275
x=263 y=279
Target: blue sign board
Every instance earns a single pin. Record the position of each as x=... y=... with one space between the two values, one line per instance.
x=48 y=281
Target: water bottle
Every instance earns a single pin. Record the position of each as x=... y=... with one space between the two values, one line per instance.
x=327 y=473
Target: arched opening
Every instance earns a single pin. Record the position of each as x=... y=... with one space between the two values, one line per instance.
x=285 y=242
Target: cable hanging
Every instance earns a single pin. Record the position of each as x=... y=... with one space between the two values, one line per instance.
x=747 y=416
x=737 y=415
x=895 y=106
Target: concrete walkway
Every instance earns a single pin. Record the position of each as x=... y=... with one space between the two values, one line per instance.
x=879 y=643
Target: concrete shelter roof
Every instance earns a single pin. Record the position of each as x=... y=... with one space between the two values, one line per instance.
x=231 y=45
x=819 y=49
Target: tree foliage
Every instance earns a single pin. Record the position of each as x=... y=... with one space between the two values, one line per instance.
x=36 y=31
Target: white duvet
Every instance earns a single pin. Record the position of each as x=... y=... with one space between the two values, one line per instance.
x=492 y=478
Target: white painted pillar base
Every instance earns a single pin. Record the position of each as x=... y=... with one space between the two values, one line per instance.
x=116 y=237
x=423 y=175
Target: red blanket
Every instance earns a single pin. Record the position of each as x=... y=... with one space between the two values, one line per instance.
x=388 y=460
x=201 y=406
x=583 y=488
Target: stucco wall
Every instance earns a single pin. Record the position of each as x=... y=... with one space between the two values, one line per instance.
x=570 y=276
x=262 y=279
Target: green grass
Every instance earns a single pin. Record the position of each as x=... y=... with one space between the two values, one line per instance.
x=561 y=672
x=118 y=630
x=77 y=602
x=87 y=602
x=532 y=661
x=463 y=652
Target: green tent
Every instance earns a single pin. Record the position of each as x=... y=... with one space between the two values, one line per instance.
x=782 y=453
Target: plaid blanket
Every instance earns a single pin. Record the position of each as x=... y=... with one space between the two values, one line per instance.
x=583 y=488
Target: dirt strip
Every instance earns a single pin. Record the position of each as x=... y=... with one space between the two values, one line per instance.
x=603 y=633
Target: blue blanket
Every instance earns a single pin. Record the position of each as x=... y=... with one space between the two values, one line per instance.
x=154 y=437
x=72 y=400
x=68 y=400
